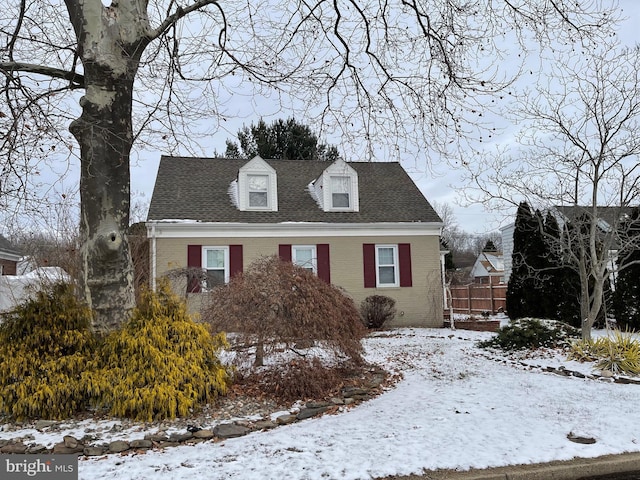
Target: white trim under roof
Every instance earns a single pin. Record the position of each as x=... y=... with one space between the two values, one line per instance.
x=194 y=229
x=11 y=257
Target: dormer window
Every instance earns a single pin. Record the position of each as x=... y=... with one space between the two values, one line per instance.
x=340 y=192
x=258 y=189
x=336 y=190
x=257 y=186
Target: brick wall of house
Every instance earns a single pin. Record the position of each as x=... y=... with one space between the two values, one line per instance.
x=8 y=267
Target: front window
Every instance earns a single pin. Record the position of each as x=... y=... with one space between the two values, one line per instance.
x=216 y=266
x=258 y=191
x=387 y=265
x=340 y=192
x=305 y=257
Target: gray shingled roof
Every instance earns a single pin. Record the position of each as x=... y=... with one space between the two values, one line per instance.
x=197 y=189
x=6 y=247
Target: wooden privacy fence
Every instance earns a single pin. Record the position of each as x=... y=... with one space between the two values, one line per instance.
x=478 y=299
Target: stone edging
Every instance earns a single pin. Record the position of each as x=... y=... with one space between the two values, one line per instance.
x=87 y=445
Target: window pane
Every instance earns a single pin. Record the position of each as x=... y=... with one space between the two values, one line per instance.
x=258 y=182
x=385 y=256
x=215 y=277
x=303 y=256
x=215 y=259
x=340 y=184
x=387 y=275
x=340 y=200
x=257 y=199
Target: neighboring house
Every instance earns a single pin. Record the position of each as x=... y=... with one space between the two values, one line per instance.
x=507 y=249
x=9 y=257
x=362 y=226
x=488 y=268
x=607 y=216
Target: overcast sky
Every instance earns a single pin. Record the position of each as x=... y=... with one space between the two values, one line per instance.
x=442 y=183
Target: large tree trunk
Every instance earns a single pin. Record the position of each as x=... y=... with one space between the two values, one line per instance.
x=105 y=137
x=110 y=42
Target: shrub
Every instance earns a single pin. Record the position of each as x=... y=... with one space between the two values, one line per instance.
x=298 y=379
x=275 y=304
x=530 y=333
x=161 y=364
x=620 y=354
x=276 y=307
x=377 y=310
x=45 y=345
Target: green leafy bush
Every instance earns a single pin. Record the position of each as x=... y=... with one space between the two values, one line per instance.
x=45 y=346
x=161 y=364
x=617 y=354
x=377 y=310
x=530 y=333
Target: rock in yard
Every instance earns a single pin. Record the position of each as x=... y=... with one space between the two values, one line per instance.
x=94 y=451
x=204 y=434
x=156 y=437
x=180 y=437
x=229 y=430
x=579 y=439
x=14 y=448
x=119 y=446
x=310 y=412
x=70 y=442
x=42 y=424
x=286 y=419
x=141 y=444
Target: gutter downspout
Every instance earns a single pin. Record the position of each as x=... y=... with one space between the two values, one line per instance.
x=153 y=257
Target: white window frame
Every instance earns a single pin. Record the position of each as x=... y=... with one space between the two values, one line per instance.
x=225 y=249
x=267 y=193
x=349 y=192
x=395 y=264
x=314 y=256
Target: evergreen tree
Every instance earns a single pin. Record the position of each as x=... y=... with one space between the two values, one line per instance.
x=489 y=247
x=626 y=298
x=282 y=139
x=562 y=284
x=525 y=287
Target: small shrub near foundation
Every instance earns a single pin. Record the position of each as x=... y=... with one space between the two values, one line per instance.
x=377 y=311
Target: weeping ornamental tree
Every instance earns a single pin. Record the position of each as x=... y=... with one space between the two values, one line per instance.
x=389 y=74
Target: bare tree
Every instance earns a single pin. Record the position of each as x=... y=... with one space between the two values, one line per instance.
x=400 y=71
x=578 y=157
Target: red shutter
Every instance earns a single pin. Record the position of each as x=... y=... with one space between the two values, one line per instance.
x=194 y=260
x=324 y=267
x=369 y=261
x=235 y=260
x=284 y=251
x=404 y=254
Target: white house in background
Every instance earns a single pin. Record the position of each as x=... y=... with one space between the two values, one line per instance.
x=607 y=217
x=507 y=249
x=488 y=269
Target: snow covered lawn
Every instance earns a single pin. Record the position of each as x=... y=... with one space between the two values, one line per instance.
x=457 y=407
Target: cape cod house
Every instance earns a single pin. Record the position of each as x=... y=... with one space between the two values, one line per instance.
x=362 y=226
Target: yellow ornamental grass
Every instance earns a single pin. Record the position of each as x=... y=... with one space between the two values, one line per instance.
x=617 y=354
x=45 y=346
x=161 y=364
